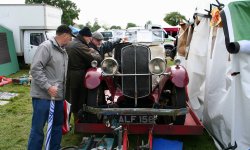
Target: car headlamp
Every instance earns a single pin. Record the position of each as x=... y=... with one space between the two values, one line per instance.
x=94 y=63
x=109 y=66
x=157 y=66
x=177 y=62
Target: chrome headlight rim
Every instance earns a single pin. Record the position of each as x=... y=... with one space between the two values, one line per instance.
x=162 y=61
x=94 y=63
x=177 y=62
x=115 y=65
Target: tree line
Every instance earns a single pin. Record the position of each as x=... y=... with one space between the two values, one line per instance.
x=71 y=12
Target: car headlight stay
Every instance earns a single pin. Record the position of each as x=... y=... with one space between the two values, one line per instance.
x=109 y=66
x=157 y=66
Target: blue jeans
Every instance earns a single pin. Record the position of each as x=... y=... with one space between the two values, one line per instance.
x=40 y=117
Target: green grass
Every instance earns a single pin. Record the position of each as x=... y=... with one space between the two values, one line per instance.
x=15 y=123
x=15 y=116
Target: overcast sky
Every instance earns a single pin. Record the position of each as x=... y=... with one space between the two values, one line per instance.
x=120 y=12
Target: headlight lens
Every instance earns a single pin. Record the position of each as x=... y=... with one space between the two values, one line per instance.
x=157 y=66
x=94 y=63
x=177 y=61
x=109 y=66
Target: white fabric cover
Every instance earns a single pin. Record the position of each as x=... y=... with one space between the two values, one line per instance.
x=226 y=99
x=241 y=101
x=217 y=115
x=196 y=65
x=244 y=46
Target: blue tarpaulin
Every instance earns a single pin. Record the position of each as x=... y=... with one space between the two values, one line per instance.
x=163 y=144
x=74 y=30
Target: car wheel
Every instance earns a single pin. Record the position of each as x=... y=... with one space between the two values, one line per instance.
x=70 y=148
x=173 y=98
x=179 y=98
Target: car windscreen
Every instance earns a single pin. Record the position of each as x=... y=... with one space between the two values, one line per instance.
x=107 y=34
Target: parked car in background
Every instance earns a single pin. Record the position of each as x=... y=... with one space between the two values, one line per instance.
x=113 y=34
x=107 y=35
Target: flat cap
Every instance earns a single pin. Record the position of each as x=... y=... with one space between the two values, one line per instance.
x=97 y=35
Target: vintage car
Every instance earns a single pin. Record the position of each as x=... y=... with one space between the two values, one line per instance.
x=135 y=89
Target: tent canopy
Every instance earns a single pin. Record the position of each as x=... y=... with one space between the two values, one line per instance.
x=8 y=57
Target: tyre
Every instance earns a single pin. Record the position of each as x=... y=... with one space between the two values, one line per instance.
x=175 y=98
x=70 y=148
x=96 y=98
x=168 y=51
x=179 y=98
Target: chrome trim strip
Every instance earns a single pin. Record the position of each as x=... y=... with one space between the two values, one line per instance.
x=135 y=111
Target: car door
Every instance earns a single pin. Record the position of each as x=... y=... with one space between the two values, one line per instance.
x=32 y=39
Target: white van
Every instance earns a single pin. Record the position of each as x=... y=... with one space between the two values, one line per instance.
x=113 y=34
x=30 y=24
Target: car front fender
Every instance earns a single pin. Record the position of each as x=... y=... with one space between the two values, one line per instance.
x=179 y=76
x=93 y=78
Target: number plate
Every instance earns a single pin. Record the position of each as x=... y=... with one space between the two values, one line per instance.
x=137 y=119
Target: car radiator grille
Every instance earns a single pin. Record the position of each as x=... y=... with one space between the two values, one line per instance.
x=134 y=60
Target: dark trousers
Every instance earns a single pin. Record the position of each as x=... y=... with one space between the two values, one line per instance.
x=76 y=91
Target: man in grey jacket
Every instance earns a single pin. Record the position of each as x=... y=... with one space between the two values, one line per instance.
x=48 y=70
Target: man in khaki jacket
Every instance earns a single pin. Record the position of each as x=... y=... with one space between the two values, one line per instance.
x=80 y=58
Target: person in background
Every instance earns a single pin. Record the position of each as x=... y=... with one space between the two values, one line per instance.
x=48 y=70
x=102 y=47
x=80 y=57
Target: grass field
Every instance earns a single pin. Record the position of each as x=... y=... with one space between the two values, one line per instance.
x=15 y=122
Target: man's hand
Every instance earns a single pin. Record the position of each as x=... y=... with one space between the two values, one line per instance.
x=92 y=50
x=52 y=91
x=124 y=40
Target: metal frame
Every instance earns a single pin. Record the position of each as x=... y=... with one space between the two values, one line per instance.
x=146 y=74
x=192 y=126
x=135 y=111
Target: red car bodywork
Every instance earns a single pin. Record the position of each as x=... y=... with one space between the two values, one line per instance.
x=178 y=76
